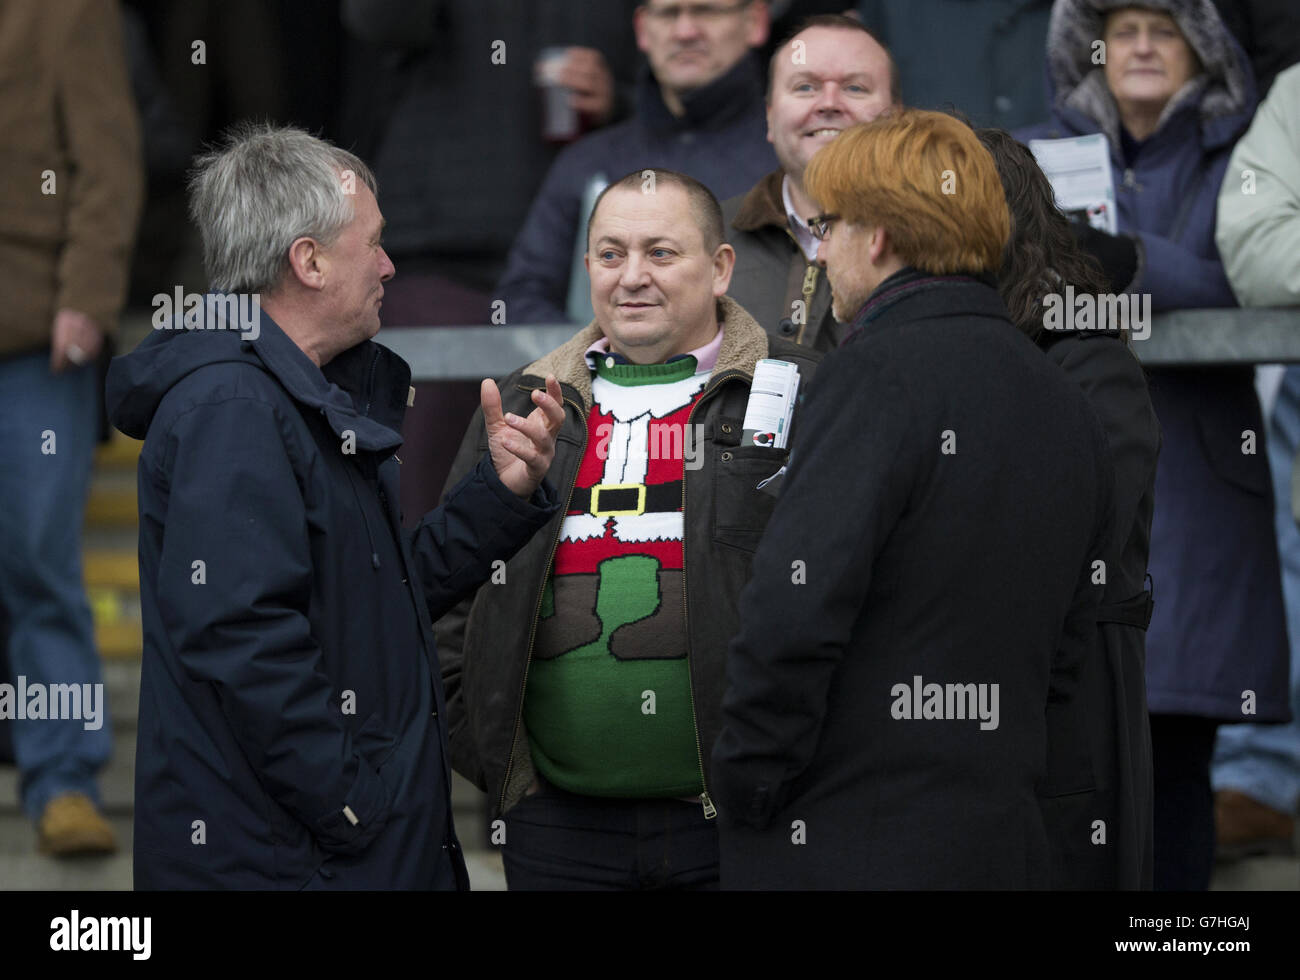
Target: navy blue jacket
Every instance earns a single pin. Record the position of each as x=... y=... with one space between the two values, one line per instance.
x=291 y=729
x=721 y=142
x=1217 y=631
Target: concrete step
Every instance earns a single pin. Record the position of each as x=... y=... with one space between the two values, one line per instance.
x=120 y=640
x=121 y=452
x=116 y=782
x=121 y=539
x=18 y=834
x=122 y=687
x=112 y=576
x=105 y=478
x=112 y=506
x=112 y=568
x=23 y=869
x=110 y=554
x=486 y=873
x=1257 y=874
x=468 y=809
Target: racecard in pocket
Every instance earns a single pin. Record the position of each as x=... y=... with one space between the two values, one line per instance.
x=771 y=404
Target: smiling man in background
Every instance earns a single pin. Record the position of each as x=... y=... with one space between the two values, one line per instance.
x=699 y=111
x=830 y=74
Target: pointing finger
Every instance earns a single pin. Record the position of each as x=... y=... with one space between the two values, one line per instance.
x=555 y=409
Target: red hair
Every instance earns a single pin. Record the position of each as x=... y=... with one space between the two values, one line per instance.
x=926 y=179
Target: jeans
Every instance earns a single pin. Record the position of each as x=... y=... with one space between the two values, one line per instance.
x=556 y=840
x=42 y=504
x=1263 y=761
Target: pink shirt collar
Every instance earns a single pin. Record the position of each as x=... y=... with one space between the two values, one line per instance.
x=706 y=357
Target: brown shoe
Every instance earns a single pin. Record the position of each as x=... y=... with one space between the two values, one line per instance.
x=72 y=825
x=1246 y=828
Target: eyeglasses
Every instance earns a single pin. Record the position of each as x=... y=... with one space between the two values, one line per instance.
x=820 y=225
x=703 y=12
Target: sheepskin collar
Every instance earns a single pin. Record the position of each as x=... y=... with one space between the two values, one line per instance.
x=744 y=344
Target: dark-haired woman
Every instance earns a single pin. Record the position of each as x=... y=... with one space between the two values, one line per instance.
x=1172 y=94
x=1103 y=733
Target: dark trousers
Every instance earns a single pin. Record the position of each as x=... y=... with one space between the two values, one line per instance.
x=558 y=841
x=1181 y=749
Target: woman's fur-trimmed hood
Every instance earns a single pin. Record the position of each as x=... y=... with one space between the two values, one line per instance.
x=1224 y=91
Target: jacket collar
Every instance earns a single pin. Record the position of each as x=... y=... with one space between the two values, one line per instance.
x=1094 y=109
x=982 y=298
x=744 y=344
x=362 y=390
x=725 y=98
x=763 y=206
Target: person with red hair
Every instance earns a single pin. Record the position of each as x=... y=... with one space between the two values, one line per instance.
x=923 y=588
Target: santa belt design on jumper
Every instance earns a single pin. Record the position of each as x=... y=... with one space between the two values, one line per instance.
x=621 y=499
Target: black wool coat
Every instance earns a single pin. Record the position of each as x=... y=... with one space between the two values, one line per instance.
x=1110 y=714
x=937 y=527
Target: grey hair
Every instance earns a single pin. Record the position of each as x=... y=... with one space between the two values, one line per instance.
x=264 y=187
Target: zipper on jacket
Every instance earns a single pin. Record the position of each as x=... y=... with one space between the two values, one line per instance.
x=537 y=609
x=809 y=287
x=810 y=273
x=710 y=811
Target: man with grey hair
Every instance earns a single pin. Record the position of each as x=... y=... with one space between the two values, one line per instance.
x=291 y=728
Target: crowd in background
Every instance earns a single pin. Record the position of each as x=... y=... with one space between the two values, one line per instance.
x=486 y=186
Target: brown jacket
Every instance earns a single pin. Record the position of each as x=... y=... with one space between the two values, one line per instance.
x=71 y=180
x=485 y=643
x=772 y=273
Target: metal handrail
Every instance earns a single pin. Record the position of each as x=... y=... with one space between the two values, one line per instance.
x=1184 y=338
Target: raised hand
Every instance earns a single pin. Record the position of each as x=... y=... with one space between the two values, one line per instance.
x=522 y=448
x=586 y=74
